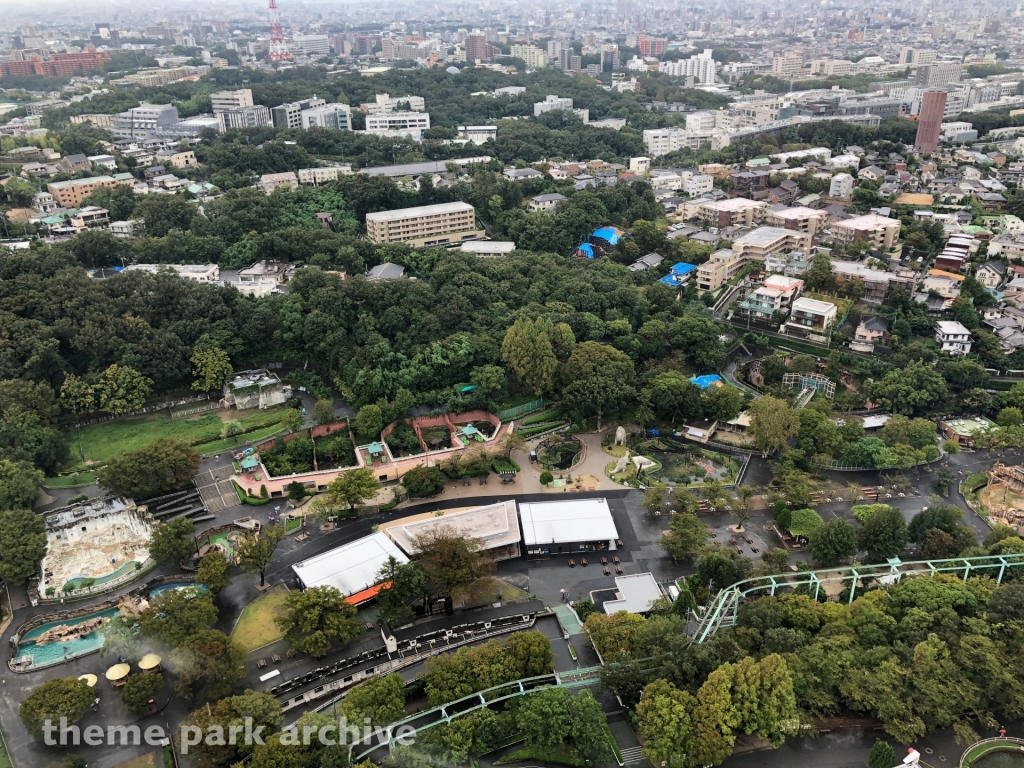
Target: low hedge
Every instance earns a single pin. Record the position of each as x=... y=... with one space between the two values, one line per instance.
x=256 y=501
x=501 y=464
x=541 y=428
x=537 y=418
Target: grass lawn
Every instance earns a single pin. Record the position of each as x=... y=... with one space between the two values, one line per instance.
x=146 y=761
x=73 y=480
x=5 y=757
x=491 y=590
x=101 y=442
x=985 y=749
x=256 y=626
x=559 y=755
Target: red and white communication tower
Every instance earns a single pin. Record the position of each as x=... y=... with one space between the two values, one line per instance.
x=278 y=50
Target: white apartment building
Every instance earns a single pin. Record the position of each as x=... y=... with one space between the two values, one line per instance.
x=831 y=67
x=315 y=45
x=640 y=165
x=792 y=264
x=385 y=103
x=810 y=317
x=244 y=117
x=388 y=123
x=661 y=141
x=145 y=118
x=318 y=176
x=127 y=229
x=701 y=67
x=224 y=101
x=776 y=295
x=841 y=186
x=533 y=56
x=550 y=104
x=290 y=115
x=478 y=134
x=337 y=117
x=787 y=65
x=733 y=211
x=808 y=220
x=699 y=184
x=719 y=269
x=953 y=337
x=880 y=231
x=425 y=225
x=763 y=241
x=704 y=120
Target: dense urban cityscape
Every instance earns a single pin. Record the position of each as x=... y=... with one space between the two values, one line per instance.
x=584 y=384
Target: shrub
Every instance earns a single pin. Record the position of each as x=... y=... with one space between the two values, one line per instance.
x=951 y=447
x=546 y=478
x=78 y=498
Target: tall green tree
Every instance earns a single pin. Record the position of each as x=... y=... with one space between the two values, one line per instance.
x=884 y=534
x=316 y=616
x=213 y=572
x=402 y=583
x=122 y=389
x=69 y=698
x=255 y=549
x=348 y=490
x=208 y=666
x=528 y=350
x=772 y=421
x=686 y=536
x=451 y=561
x=22 y=545
x=665 y=721
x=382 y=699
x=165 y=465
x=174 y=615
x=211 y=367
x=833 y=543
x=19 y=484
x=173 y=541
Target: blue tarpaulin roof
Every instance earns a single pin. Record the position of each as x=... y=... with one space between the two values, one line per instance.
x=682 y=268
x=708 y=380
x=587 y=250
x=611 y=234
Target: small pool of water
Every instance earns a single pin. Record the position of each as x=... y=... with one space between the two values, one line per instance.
x=1001 y=760
x=157 y=591
x=42 y=655
x=77 y=582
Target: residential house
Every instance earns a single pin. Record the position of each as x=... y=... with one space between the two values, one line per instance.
x=644 y=263
x=945 y=284
x=872 y=330
x=679 y=275
x=521 y=174
x=991 y=274
x=810 y=317
x=841 y=186
x=545 y=203
x=272 y=181
x=953 y=337
x=776 y=295
x=871 y=173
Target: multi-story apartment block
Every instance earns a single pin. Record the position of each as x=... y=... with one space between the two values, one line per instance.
x=777 y=294
x=764 y=241
x=272 y=181
x=224 y=101
x=841 y=186
x=831 y=67
x=244 y=117
x=146 y=118
x=792 y=264
x=318 y=176
x=650 y=46
x=384 y=102
x=200 y=273
x=735 y=211
x=385 y=124
x=787 y=65
x=533 y=56
x=70 y=194
x=661 y=141
x=550 y=104
x=939 y=73
x=698 y=184
x=876 y=282
x=317 y=45
x=443 y=224
x=290 y=115
x=808 y=220
x=722 y=267
x=916 y=57
x=810 y=317
x=953 y=337
x=701 y=67
x=880 y=231
x=337 y=117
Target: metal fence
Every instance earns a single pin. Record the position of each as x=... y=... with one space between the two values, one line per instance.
x=521 y=410
x=193 y=411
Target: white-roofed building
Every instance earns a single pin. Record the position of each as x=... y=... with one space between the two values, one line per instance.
x=352 y=568
x=495 y=526
x=635 y=593
x=564 y=527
